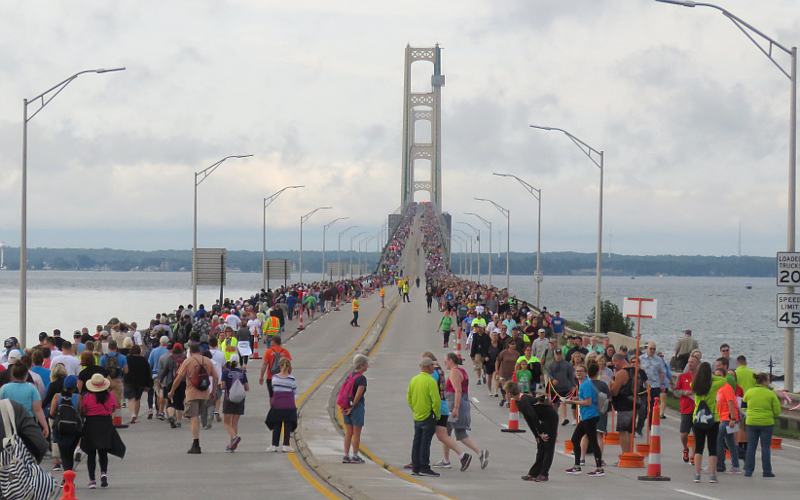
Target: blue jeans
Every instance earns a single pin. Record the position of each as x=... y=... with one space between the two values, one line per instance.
x=754 y=434
x=725 y=440
x=421 y=447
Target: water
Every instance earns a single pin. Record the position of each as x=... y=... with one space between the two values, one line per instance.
x=716 y=309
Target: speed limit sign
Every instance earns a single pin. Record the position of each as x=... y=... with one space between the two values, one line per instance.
x=788 y=269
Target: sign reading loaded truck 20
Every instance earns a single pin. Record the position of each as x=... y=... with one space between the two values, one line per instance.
x=788 y=269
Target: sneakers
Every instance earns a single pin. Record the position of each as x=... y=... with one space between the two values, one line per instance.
x=92 y=485
x=479 y=381
x=77 y=457
x=442 y=465
x=217 y=417
x=734 y=470
x=103 y=480
x=195 y=449
x=235 y=442
x=347 y=460
x=713 y=479
x=272 y=449
x=484 y=458
x=583 y=462
x=355 y=459
x=565 y=422
x=429 y=473
x=541 y=479
x=767 y=475
x=465 y=461
x=161 y=417
x=574 y=470
x=596 y=473
x=150 y=415
x=288 y=449
x=686 y=455
x=172 y=423
x=502 y=403
x=58 y=468
x=697 y=478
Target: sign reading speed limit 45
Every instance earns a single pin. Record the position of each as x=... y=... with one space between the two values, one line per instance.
x=788 y=310
x=788 y=269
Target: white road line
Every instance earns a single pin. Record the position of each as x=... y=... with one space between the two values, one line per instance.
x=790 y=445
x=698 y=495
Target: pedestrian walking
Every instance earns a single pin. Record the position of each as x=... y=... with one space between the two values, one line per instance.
x=729 y=421
x=271 y=365
x=234 y=384
x=353 y=405
x=67 y=425
x=457 y=396
x=763 y=407
x=99 y=438
x=355 y=305
x=136 y=381
x=283 y=409
x=201 y=381
x=590 y=415
x=705 y=420
x=446 y=327
x=425 y=403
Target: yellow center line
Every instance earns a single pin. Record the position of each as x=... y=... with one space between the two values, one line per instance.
x=313 y=481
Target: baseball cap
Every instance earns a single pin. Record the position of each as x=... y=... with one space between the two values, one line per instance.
x=71 y=382
x=14 y=356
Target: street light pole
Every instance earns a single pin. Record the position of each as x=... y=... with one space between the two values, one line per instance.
x=598 y=158
x=350 y=264
x=303 y=219
x=507 y=214
x=750 y=32
x=199 y=177
x=478 y=232
x=267 y=202
x=536 y=193
x=339 y=251
x=468 y=241
x=42 y=100
x=488 y=224
x=324 y=238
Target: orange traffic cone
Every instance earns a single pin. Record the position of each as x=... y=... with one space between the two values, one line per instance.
x=568 y=447
x=458 y=343
x=654 y=458
x=68 y=491
x=513 y=418
x=117 y=421
x=612 y=436
x=255 y=354
x=776 y=444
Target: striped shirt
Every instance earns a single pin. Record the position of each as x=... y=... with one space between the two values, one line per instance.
x=283 y=392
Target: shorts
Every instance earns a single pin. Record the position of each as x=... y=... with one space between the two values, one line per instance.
x=133 y=392
x=602 y=423
x=177 y=399
x=231 y=408
x=478 y=361
x=624 y=421
x=196 y=407
x=686 y=423
x=442 y=422
x=461 y=434
x=356 y=417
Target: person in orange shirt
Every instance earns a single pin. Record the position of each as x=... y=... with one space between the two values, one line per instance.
x=729 y=418
x=383 y=292
x=271 y=364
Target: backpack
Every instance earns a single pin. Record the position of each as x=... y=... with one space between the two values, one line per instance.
x=345 y=398
x=703 y=417
x=67 y=421
x=236 y=393
x=199 y=378
x=602 y=396
x=20 y=476
x=112 y=366
x=275 y=366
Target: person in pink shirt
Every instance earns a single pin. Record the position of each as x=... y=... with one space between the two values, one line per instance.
x=99 y=435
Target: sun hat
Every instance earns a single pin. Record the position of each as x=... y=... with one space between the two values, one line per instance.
x=98 y=383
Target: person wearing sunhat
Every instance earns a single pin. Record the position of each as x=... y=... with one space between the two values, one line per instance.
x=99 y=435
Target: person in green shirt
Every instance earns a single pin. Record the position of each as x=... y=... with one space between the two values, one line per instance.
x=706 y=422
x=524 y=377
x=425 y=403
x=762 y=408
x=744 y=375
x=446 y=327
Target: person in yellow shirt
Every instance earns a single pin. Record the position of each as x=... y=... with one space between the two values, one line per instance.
x=228 y=345
x=356 y=304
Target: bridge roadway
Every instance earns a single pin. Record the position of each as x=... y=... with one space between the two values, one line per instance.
x=157 y=463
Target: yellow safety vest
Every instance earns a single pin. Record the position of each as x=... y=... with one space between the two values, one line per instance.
x=272 y=326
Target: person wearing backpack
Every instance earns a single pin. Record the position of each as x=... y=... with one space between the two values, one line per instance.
x=590 y=415
x=67 y=421
x=234 y=383
x=351 y=401
x=603 y=406
x=168 y=366
x=116 y=364
x=271 y=364
x=705 y=419
x=201 y=380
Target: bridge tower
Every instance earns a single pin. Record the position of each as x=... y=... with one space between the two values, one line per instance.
x=422 y=106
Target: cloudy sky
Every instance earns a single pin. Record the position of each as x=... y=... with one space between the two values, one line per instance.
x=692 y=118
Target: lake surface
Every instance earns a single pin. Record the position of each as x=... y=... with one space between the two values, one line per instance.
x=716 y=309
